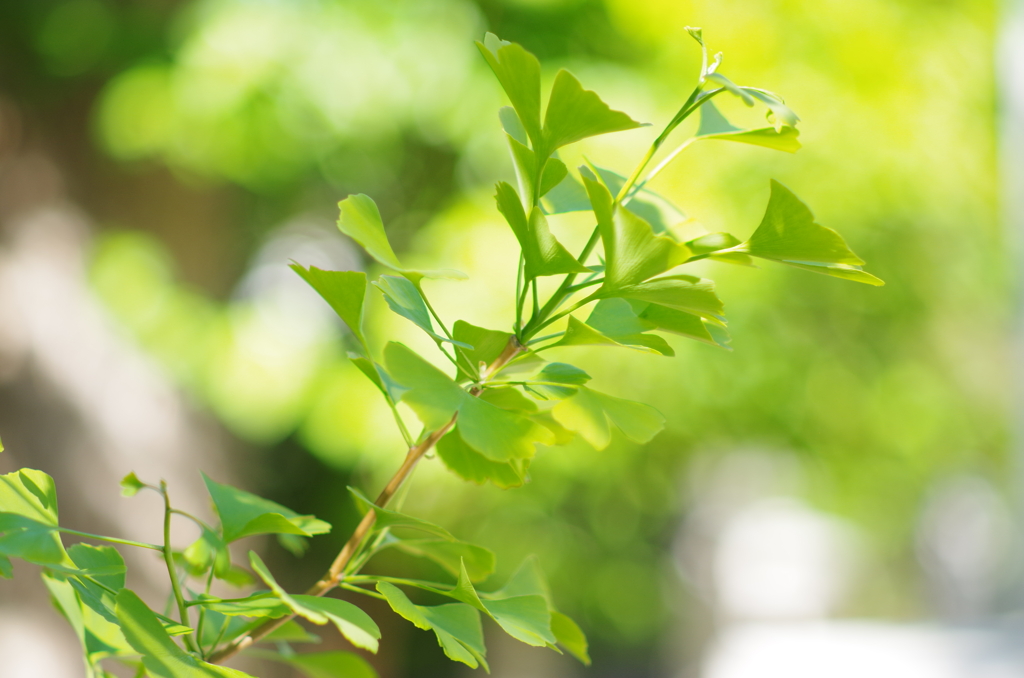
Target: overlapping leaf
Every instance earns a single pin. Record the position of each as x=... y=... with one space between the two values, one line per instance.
x=518 y=71
x=543 y=254
x=345 y=291
x=243 y=514
x=680 y=292
x=495 y=433
x=333 y=664
x=788 y=234
x=486 y=345
x=593 y=414
x=713 y=125
x=475 y=467
x=351 y=622
x=613 y=323
x=574 y=113
x=98 y=637
x=387 y=518
x=406 y=300
x=360 y=220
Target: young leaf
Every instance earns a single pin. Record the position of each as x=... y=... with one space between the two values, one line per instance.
x=713 y=125
x=681 y=292
x=29 y=493
x=345 y=291
x=360 y=220
x=479 y=562
x=243 y=514
x=788 y=234
x=160 y=655
x=406 y=300
x=263 y=604
x=131 y=485
x=99 y=638
x=557 y=380
x=544 y=255
x=208 y=551
x=512 y=125
x=95 y=589
x=473 y=466
x=387 y=518
x=30 y=540
x=633 y=251
x=457 y=626
x=353 y=623
x=333 y=664
x=613 y=323
x=495 y=433
x=518 y=71
x=681 y=323
x=487 y=346
x=570 y=636
x=652 y=207
x=574 y=113
x=592 y=414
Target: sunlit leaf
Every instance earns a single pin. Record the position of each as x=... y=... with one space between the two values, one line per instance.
x=457 y=625
x=713 y=125
x=479 y=561
x=95 y=589
x=351 y=622
x=29 y=493
x=387 y=518
x=29 y=540
x=406 y=300
x=291 y=632
x=681 y=292
x=570 y=636
x=161 y=656
x=518 y=71
x=558 y=380
x=655 y=209
x=99 y=637
x=592 y=415
x=789 y=234
x=682 y=323
x=262 y=604
x=473 y=466
x=131 y=485
x=345 y=291
x=486 y=344
x=633 y=252
x=574 y=113
x=243 y=514
x=360 y=220
x=544 y=255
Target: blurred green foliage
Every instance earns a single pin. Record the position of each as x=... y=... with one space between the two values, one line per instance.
x=878 y=391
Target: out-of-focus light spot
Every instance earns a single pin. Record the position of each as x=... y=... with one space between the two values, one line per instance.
x=136 y=112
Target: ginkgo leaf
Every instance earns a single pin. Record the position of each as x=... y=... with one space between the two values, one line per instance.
x=497 y=434
x=387 y=518
x=578 y=333
x=592 y=414
x=479 y=562
x=332 y=664
x=475 y=467
x=405 y=299
x=357 y=627
x=345 y=291
x=789 y=234
x=574 y=113
x=160 y=655
x=262 y=604
x=633 y=252
x=457 y=625
x=360 y=220
x=518 y=71
x=243 y=514
x=30 y=540
x=681 y=292
x=544 y=255
x=486 y=345
x=713 y=125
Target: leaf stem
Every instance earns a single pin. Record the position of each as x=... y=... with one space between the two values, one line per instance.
x=359 y=589
x=171 y=571
x=112 y=540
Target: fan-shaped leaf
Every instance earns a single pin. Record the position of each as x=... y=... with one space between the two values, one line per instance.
x=243 y=514
x=592 y=414
x=574 y=113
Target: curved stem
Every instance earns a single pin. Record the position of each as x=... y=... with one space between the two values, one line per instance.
x=171 y=571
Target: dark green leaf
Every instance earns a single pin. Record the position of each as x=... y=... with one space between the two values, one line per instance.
x=6 y=568
x=360 y=220
x=544 y=255
x=345 y=291
x=518 y=71
x=713 y=125
x=574 y=113
x=448 y=554
x=405 y=299
x=473 y=466
x=161 y=656
x=457 y=625
x=353 y=623
x=592 y=414
x=243 y=514
x=131 y=485
x=558 y=380
x=387 y=518
x=633 y=252
x=789 y=234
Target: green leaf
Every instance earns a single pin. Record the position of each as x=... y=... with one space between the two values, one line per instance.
x=713 y=125
x=652 y=207
x=570 y=636
x=544 y=255
x=731 y=87
x=681 y=323
x=386 y=518
x=633 y=252
x=518 y=71
x=243 y=514
x=379 y=376
x=788 y=234
x=558 y=380
x=30 y=540
x=360 y=220
x=434 y=397
x=406 y=300
x=351 y=622
x=568 y=196
x=720 y=247
x=29 y=493
x=131 y=485
x=470 y=465
x=592 y=414
x=99 y=638
x=614 y=323
x=291 y=632
x=6 y=568
x=681 y=292
x=345 y=291
x=479 y=562
x=263 y=604
x=457 y=626
x=512 y=125
x=486 y=344
x=333 y=664
x=160 y=655
x=574 y=113
x=779 y=113
x=94 y=590
x=207 y=551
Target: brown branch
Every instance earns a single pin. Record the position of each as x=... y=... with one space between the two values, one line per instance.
x=334 y=575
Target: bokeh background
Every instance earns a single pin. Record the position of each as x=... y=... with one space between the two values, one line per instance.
x=833 y=497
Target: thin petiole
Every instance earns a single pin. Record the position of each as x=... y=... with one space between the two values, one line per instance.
x=171 y=571
x=359 y=589
x=112 y=540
